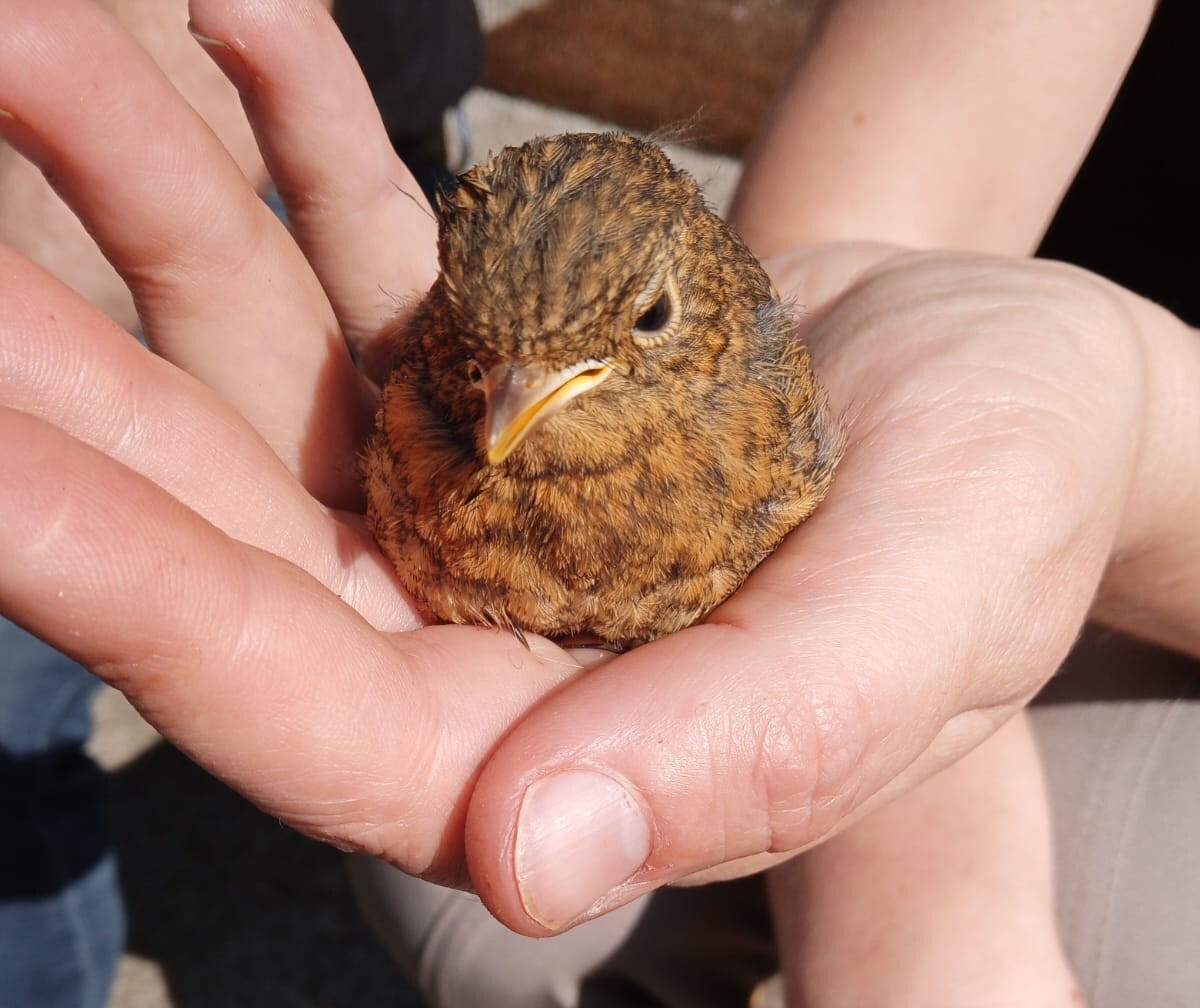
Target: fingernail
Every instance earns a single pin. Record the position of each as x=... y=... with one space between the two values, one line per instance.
x=227 y=58
x=579 y=834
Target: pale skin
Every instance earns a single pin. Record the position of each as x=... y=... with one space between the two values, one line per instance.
x=174 y=533
x=933 y=125
x=33 y=220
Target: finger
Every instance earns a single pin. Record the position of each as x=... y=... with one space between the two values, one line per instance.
x=355 y=209
x=63 y=361
x=221 y=288
x=937 y=587
x=252 y=668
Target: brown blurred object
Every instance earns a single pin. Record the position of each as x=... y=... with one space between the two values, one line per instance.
x=708 y=67
x=599 y=420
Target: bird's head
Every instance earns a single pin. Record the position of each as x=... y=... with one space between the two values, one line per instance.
x=583 y=270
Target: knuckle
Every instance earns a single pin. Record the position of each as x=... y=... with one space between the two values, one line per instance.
x=807 y=771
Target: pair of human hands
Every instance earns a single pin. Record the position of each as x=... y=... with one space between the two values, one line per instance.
x=188 y=524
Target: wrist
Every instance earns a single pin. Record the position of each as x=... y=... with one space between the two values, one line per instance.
x=1151 y=587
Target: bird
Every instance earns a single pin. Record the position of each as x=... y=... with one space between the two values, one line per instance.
x=599 y=419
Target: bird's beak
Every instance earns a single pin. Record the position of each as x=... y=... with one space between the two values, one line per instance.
x=522 y=396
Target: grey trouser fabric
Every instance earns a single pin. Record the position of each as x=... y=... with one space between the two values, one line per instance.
x=701 y=946
x=1119 y=729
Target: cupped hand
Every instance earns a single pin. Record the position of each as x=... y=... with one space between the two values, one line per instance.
x=173 y=521
x=995 y=422
x=187 y=523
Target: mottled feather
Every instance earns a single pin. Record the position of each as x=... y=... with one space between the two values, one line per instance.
x=649 y=498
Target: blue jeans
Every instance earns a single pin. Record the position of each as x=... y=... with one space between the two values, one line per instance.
x=62 y=924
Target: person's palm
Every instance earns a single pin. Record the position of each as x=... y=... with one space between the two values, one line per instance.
x=190 y=555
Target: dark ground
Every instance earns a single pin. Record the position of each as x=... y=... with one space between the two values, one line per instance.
x=235 y=908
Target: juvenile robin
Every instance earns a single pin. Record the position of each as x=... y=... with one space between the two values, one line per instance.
x=599 y=420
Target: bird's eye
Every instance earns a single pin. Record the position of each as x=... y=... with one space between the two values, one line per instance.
x=474 y=373
x=656 y=317
x=654 y=325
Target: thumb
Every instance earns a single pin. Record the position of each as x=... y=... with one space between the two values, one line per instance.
x=754 y=733
x=680 y=759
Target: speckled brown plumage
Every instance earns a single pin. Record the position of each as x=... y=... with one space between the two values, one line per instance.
x=687 y=438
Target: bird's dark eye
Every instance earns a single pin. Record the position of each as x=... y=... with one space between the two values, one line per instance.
x=655 y=318
x=655 y=325
x=474 y=373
